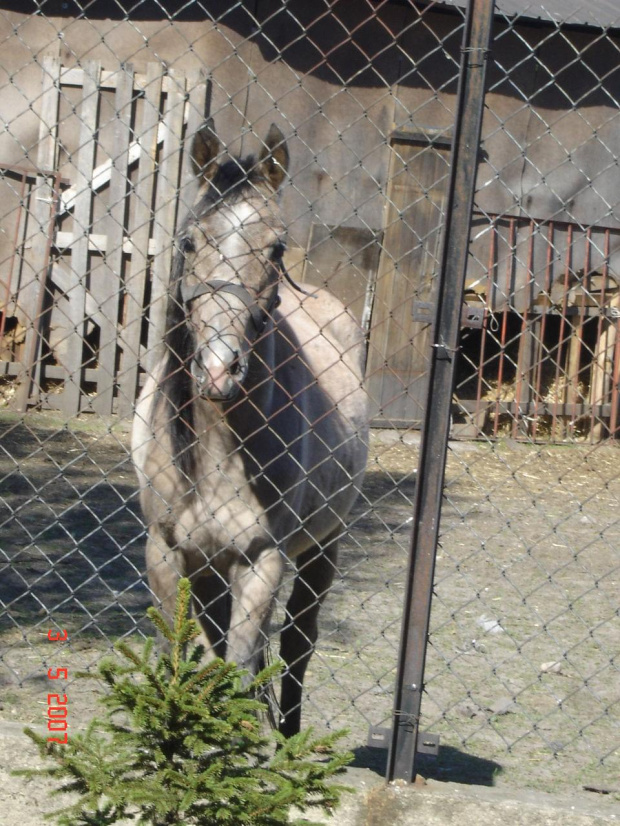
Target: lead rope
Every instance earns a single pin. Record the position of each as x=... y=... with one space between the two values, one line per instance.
x=279 y=262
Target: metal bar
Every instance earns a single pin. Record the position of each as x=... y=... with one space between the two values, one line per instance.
x=541 y=349
x=563 y=346
x=598 y=372
x=436 y=425
x=576 y=344
x=504 y=324
x=613 y=419
x=485 y=332
x=523 y=390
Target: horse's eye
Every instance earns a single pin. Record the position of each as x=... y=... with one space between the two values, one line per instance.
x=187 y=245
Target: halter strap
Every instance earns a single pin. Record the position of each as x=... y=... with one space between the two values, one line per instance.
x=218 y=286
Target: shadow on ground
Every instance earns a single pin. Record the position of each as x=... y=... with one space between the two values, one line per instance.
x=451 y=764
x=72 y=536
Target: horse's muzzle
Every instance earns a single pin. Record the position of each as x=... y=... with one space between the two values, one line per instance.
x=219 y=371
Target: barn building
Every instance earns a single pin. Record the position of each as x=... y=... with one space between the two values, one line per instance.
x=99 y=100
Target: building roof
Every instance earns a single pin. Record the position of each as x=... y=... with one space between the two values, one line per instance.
x=600 y=14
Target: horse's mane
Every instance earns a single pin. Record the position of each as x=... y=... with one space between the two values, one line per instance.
x=231 y=182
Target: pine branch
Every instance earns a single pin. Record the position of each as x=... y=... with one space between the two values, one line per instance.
x=188 y=747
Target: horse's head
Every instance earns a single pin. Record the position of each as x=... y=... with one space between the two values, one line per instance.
x=229 y=260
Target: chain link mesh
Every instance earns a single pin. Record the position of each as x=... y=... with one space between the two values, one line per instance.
x=99 y=105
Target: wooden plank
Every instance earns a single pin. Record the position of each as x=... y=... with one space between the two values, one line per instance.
x=165 y=218
x=615 y=383
x=70 y=398
x=74 y=76
x=37 y=260
x=103 y=172
x=139 y=231
x=399 y=347
x=377 y=361
x=544 y=408
x=573 y=369
x=100 y=177
x=106 y=291
x=558 y=423
x=63 y=241
x=602 y=371
x=12 y=368
x=542 y=356
x=10 y=287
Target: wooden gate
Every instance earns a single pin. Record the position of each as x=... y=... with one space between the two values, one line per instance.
x=94 y=234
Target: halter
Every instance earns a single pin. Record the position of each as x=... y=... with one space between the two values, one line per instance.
x=259 y=317
x=257 y=314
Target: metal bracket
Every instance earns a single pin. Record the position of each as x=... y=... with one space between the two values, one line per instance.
x=424 y=312
x=428 y=743
x=472 y=316
x=379 y=738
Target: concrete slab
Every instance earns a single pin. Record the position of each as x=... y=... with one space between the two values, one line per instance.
x=434 y=803
x=372 y=803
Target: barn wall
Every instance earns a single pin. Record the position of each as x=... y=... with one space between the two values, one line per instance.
x=339 y=111
x=342 y=85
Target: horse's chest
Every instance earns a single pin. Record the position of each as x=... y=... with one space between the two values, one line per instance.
x=220 y=513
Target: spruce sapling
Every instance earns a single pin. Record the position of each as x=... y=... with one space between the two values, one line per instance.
x=181 y=743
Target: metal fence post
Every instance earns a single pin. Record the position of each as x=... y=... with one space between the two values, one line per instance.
x=429 y=487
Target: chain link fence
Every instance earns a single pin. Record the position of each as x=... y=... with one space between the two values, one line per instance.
x=99 y=104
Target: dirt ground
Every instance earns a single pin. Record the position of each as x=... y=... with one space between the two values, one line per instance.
x=522 y=680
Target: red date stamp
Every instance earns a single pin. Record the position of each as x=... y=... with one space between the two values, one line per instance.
x=57 y=703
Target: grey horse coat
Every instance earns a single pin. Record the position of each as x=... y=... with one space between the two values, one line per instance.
x=250 y=435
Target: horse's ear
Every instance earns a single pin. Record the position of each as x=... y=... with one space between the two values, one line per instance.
x=274 y=157
x=206 y=147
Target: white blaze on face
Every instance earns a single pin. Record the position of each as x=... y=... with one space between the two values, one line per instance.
x=237 y=217
x=218 y=359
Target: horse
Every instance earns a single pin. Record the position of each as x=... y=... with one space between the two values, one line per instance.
x=250 y=435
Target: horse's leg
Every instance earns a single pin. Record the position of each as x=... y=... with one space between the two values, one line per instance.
x=211 y=597
x=209 y=593
x=254 y=583
x=164 y=568
x=315 y=574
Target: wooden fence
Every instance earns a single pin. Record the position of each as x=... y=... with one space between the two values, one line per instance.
x=84 y=289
